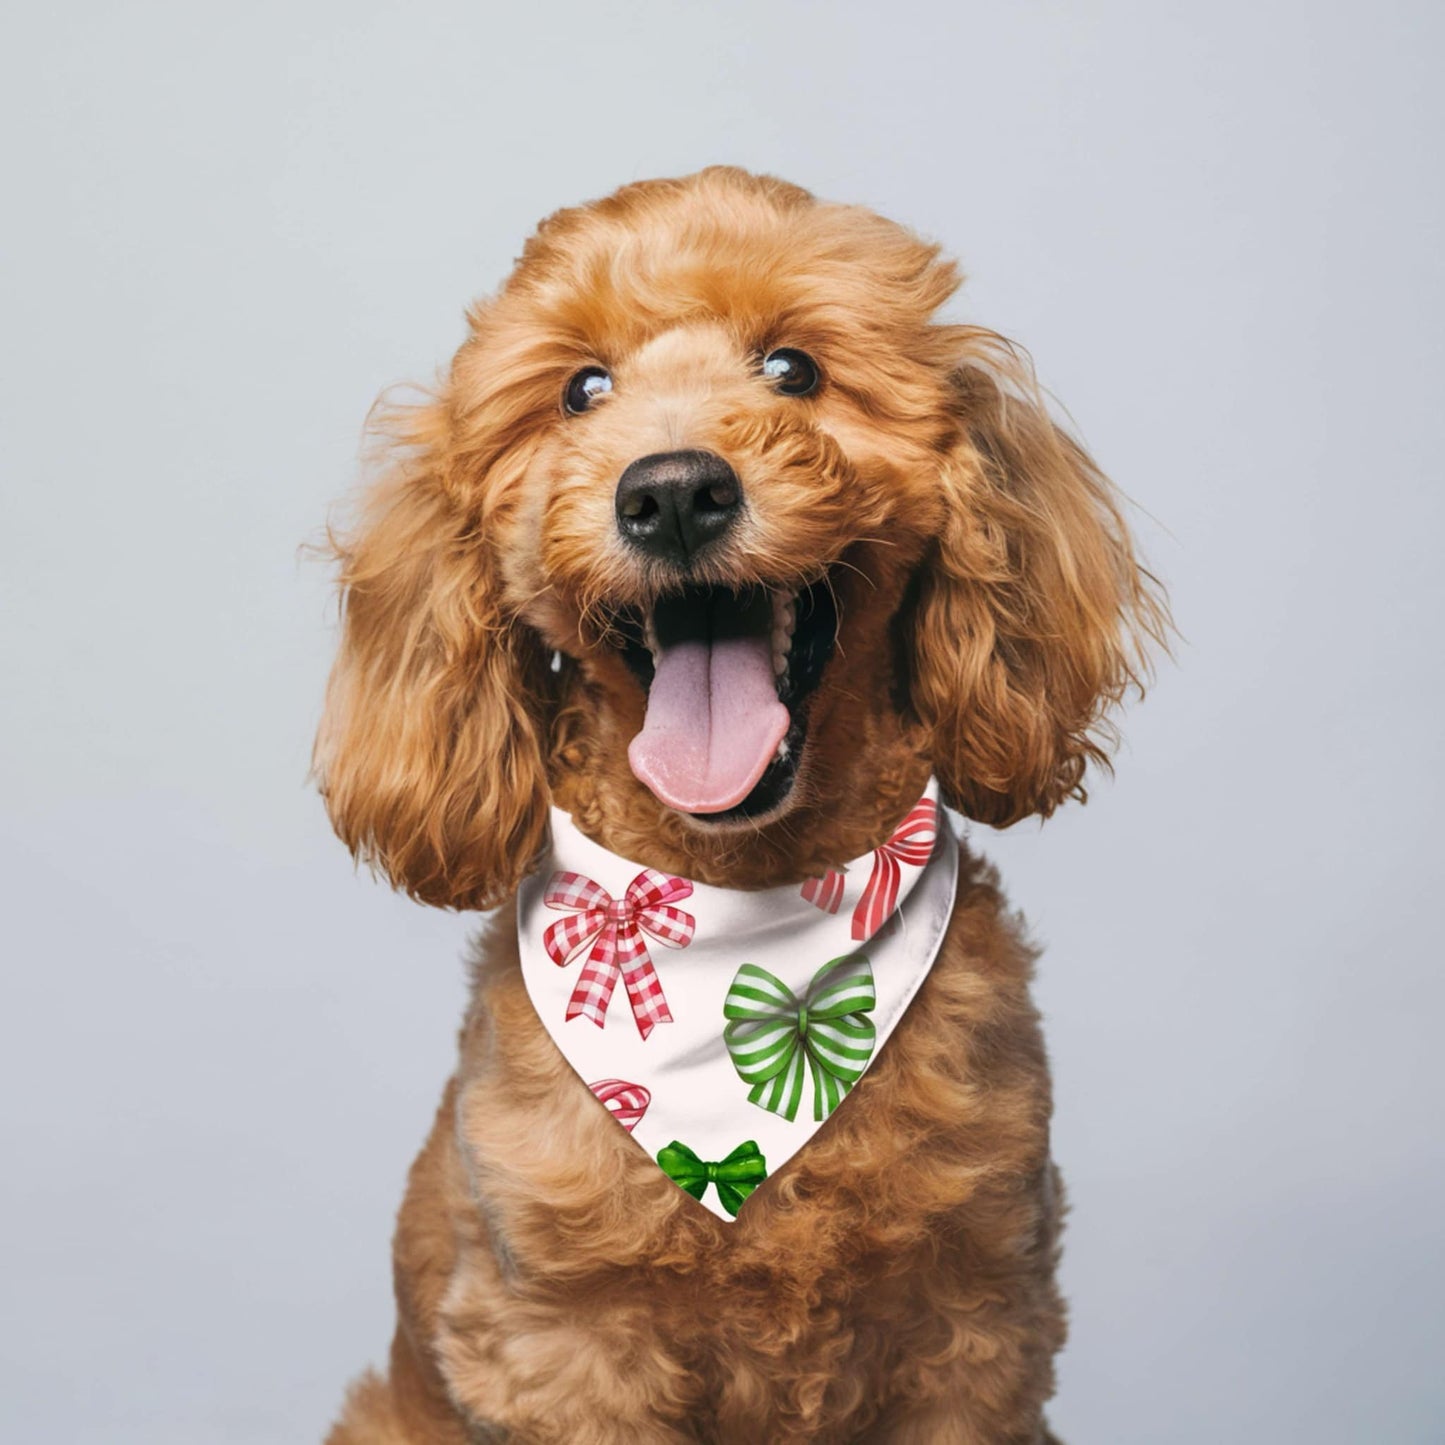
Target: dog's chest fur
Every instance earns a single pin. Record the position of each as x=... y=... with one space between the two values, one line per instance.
x=860 y=1277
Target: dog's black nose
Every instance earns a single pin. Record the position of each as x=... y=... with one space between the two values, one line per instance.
x=672 y=504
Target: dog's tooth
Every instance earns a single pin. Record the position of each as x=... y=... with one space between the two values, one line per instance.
x=782 y=750
x=780 y=661
x=785 y=621
x=649 y=636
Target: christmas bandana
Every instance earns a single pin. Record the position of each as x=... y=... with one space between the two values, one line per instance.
x=720 y=1027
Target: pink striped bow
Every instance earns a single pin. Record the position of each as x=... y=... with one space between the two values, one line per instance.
x=626 y=1102
x=614 y=927
x=911 y=842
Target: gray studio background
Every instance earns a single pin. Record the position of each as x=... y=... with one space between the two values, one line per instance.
x=228 y=228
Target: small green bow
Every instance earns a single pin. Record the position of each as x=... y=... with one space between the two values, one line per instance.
x=736 y=1176
x=772 y=1031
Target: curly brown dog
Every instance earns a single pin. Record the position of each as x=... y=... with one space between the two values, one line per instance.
x=810 y=430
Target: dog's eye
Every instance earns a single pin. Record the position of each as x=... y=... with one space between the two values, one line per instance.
x=584 y=388
x=794 y=373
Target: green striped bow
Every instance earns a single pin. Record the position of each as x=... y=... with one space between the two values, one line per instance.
x=771 y=1031
x=736 y=1176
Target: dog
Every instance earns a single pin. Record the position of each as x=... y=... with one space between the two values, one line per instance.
x=693 y=393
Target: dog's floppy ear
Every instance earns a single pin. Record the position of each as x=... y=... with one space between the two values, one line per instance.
x=1032 y=613
x=430 y=752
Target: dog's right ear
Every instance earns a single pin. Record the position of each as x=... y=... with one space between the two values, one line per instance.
x=430 y=751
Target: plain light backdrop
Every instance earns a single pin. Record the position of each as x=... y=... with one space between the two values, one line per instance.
x=227 y=228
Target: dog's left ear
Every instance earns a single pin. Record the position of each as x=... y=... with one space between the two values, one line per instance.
x=1033 y=614
x=430 y=752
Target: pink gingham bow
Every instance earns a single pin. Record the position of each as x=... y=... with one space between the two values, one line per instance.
x=911 y=842
x=614 y=927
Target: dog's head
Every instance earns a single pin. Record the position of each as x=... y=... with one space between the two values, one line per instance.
x=713 y=533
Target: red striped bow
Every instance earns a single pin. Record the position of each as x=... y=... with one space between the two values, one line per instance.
x=911 y=842
x=627 y=1103
x=614 y=927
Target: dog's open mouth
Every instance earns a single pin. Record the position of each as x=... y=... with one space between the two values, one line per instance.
x=729 y=673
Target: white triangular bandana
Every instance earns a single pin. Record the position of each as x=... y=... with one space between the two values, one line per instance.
x=721 y=1027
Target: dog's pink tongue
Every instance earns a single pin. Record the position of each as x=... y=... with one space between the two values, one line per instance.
x=713 y=723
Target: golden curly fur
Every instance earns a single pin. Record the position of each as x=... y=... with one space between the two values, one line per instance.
x=895 y=1281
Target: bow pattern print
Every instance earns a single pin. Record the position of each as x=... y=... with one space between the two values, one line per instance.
x=626 y=1102
x=735 y=1177
x=615 y=927
x=911 y=842
x=771 y=1031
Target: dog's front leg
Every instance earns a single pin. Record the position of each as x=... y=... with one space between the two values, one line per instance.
x=593 y=1431
x=546 y=1372
x=955 y=1423
x=572 y=1422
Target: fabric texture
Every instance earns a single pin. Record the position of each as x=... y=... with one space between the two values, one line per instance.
x=745 y=1017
